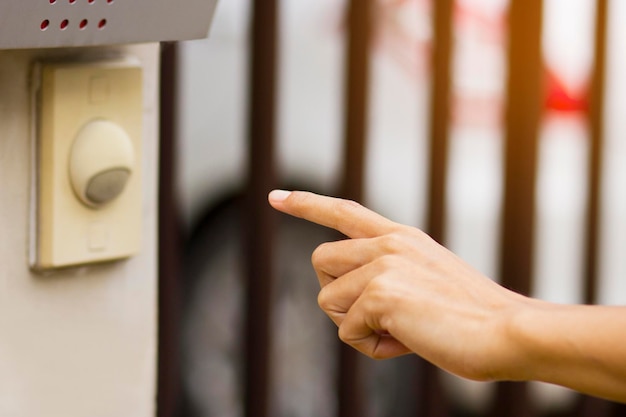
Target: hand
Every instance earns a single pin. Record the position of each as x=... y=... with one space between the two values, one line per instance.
x=392 y=290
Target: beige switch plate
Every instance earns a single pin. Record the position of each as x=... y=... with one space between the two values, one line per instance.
x=66 y=232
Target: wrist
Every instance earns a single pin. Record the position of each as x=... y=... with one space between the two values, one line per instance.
x=542 y=342
x=520 y=341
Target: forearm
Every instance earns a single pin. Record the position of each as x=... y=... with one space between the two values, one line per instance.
x=580 y=347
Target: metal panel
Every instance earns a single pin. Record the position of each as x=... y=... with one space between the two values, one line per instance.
x=68 y=23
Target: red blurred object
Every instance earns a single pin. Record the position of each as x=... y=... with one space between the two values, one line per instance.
x=561 y=98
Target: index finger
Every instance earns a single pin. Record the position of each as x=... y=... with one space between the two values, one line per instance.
x=348 y=217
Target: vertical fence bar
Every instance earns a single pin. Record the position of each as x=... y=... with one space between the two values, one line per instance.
x=356 y=98
x=589 y=406
x=259 y=219
x=356 y=102
x=596 y=117
x=523 y=114
x=440 y=117
x=430 y=396
x=168 y=384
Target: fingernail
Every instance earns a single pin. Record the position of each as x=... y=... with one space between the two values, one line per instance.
x=279 y=195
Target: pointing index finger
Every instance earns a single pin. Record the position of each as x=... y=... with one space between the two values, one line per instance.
x=345 y=216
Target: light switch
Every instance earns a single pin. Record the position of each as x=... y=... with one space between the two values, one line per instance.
x=87 y=205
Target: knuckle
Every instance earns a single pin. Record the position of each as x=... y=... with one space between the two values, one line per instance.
x=343 y=334
x=365 y=346
x=349 y=204
x=381 y=292
x=378 y=283
x=324 y=299
x=347 y=208
x=319 y=254
x=374 y=295
x=396 y=242
x=327 y=301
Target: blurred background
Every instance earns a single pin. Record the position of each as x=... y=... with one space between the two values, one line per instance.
x=494 y=125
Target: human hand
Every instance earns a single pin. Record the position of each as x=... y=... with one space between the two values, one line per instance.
x=391 y=290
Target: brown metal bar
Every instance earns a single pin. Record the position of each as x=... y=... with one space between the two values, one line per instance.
x=259 y=220
x=590 y=406
x=596 y=119
x=350 y=384
x=440 y=117
x=523 y=114
x=357 y=78
x=430 y=399
x=169 y=298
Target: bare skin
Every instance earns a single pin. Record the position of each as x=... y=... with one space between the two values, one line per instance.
x=392 y=290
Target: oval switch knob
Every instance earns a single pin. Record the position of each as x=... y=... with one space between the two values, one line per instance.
x=101 y=162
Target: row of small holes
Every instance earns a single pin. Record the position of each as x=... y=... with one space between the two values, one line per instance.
x=74 y=1
x=65 y=24
x=45 y=24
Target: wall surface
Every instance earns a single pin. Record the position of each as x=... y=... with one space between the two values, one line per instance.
x=80 y=342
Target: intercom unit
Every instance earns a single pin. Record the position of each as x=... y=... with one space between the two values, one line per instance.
x=88 y=110
x=87 y=192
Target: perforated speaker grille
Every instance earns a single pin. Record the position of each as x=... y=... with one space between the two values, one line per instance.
x=67 y=23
